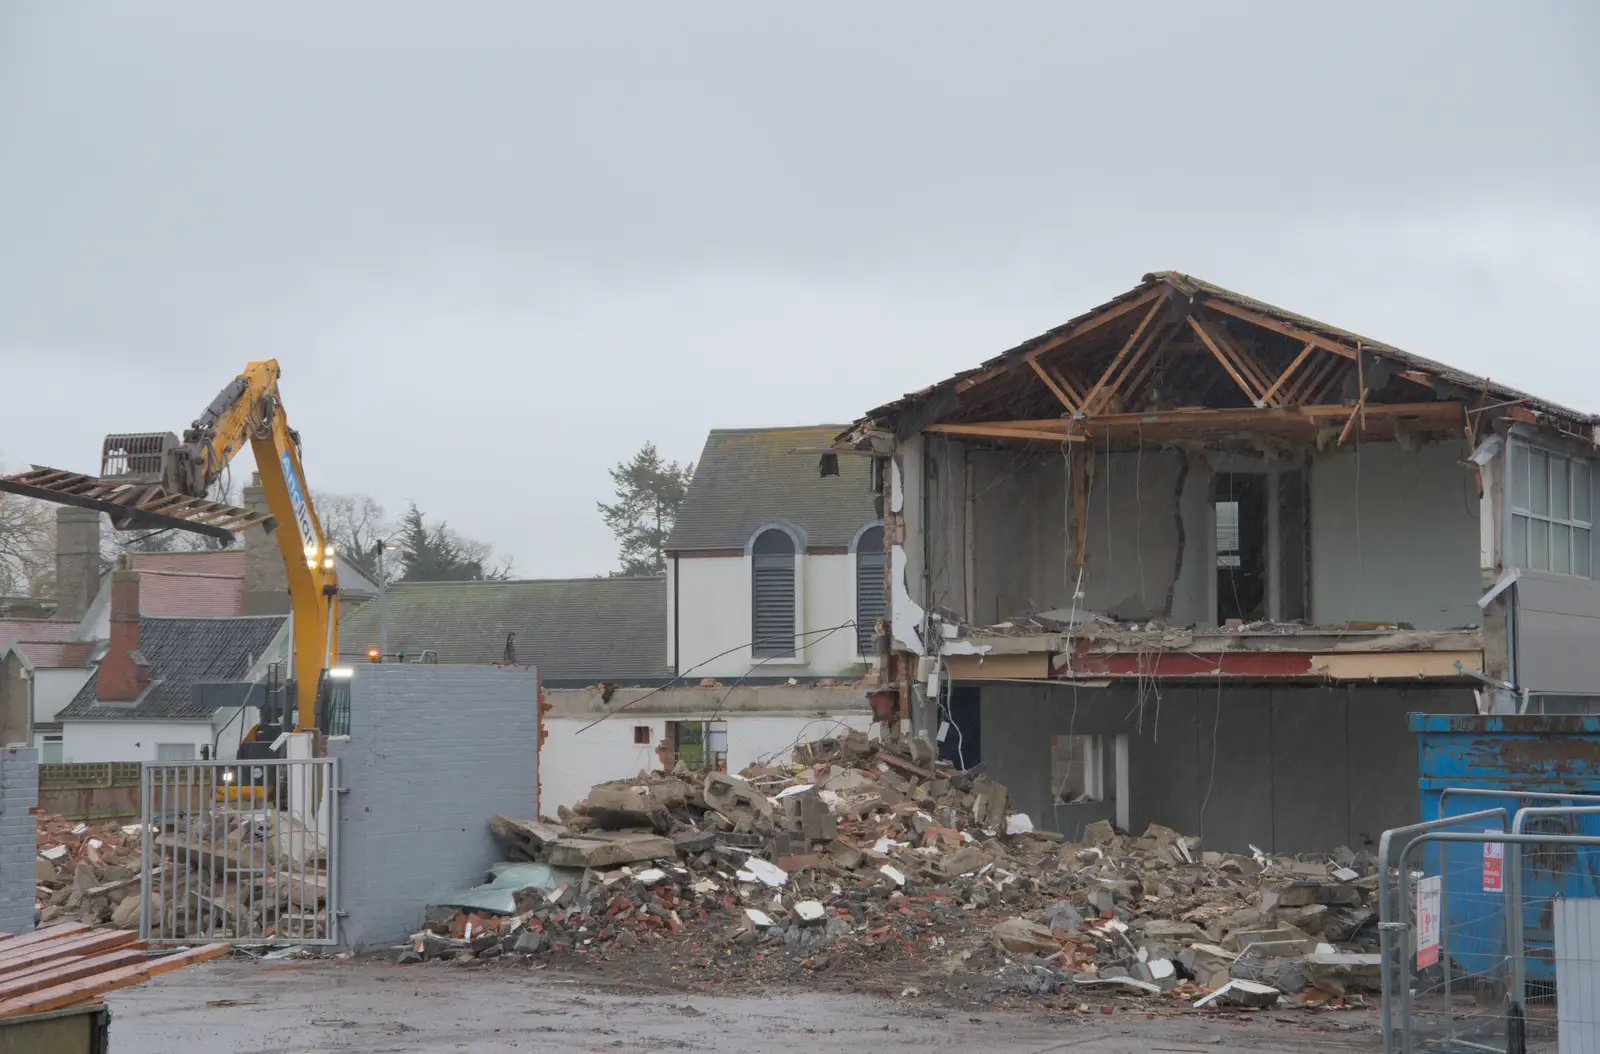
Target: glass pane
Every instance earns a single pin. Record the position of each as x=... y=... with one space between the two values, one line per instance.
x=1560 y=548
x=1517 y=556
x=1539 y=545
x=1519 y=476
x=1558 y=488
x=1580 y=491
x=1580 y=552
x=1539 y=482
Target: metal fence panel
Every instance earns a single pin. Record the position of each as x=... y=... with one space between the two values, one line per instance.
x=243 y=851
x=1577 y=969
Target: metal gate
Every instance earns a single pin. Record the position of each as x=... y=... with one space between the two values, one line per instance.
x=241 y=850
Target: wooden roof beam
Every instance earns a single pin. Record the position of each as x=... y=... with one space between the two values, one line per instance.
x=1286 y=374
x=1236 y=371
x=1092 y=401
x=1007 y=430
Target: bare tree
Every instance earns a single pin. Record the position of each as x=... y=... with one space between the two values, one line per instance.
x=27 y=547
x=356 y=525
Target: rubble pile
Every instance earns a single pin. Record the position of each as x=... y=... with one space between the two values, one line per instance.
x=861 y=853
x=87 y=872
x=231 y=872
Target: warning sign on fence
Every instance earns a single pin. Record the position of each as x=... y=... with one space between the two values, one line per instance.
x=1429 y=896
x=1494 y=867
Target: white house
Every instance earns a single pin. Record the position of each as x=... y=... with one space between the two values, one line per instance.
x=773 y=570
x=169 y=689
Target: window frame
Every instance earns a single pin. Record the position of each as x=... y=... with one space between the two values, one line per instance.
x=796 y=655
x=864 y=633
x=1521 y=454
x=193 y=752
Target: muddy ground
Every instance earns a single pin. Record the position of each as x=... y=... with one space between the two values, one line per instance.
x=312 y=1007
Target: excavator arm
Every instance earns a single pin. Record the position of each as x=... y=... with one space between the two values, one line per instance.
x=155 y=480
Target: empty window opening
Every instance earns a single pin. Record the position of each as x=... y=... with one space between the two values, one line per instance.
x=1550 y=512
x=1239 y=501
x=773 y=595
x=869 y=587
x=641 y=735
x=1077 y=769
x=50 y=751
x=699 y=745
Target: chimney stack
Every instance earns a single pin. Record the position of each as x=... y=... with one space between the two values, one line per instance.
x=77 y=561
x=266 y=583
x=124 y=673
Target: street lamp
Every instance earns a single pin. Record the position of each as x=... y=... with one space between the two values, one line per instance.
x=379 y=548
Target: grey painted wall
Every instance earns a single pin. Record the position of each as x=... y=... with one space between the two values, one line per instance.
x=1286 y=768
x=433 y=752
x=1147 y=533
x=1395 y=536
x=19 y=798
x=1558 y=633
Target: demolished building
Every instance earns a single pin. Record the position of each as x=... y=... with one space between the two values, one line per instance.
x=1190 y=559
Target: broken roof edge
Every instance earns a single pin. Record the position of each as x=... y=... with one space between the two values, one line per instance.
x=879 y=424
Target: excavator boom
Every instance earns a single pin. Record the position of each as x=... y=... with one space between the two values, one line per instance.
x=155 y=480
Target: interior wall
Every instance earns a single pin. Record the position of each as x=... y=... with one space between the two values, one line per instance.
x=1395 y=536
x=1294 y=768
x=1148 y=532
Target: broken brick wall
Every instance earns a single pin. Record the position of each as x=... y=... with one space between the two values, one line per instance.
x=19 y=800
x=433 y=752
x=1287 y=768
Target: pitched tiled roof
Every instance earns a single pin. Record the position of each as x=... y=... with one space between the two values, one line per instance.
x=34 y=630
x=582 y=629
x=1200 y=289
x=56 y=655
x=749 y=477
x=182 y=652
x=191 y=585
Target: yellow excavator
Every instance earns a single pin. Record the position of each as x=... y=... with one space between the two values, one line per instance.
x=156 y=480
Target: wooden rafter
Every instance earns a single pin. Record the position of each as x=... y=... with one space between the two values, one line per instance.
x=1227 y=307
x=1150 y=359
x=1358 y=413
x=1286 y=374
x=1256 y=370
x=1310 y=378
x=1087 y=325
x=1058 y=386
x=1007 y=430
x=1092 y=401
x=1235 y=370
x=1437 y=414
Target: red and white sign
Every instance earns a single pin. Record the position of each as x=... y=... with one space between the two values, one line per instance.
x=1494 y=867
x=1429 y=897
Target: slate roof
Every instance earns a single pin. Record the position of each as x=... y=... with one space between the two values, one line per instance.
x=579 y=630
x=749 y=477
x=191 y=585
x=182 y=652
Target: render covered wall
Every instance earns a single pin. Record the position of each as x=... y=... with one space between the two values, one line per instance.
x=761 y=720
x=714 y=605
x=19 y=800
x=83 y=741
x=433 y=753
x=1395 y=536
x=1286 y=768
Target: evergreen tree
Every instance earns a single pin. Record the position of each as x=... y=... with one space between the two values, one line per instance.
x=434 y=553
x=649 y=492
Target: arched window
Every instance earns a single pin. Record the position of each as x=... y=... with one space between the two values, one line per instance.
x=869 y=586
x=772 y=592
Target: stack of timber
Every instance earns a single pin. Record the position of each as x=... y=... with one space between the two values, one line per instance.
x=72 y=964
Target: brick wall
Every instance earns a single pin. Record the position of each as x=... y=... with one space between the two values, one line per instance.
x=433 y=752
x=19 y=796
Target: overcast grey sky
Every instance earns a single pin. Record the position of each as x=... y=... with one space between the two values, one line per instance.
x=498 y=246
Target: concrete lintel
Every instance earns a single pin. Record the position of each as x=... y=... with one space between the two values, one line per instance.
x=697 y=701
